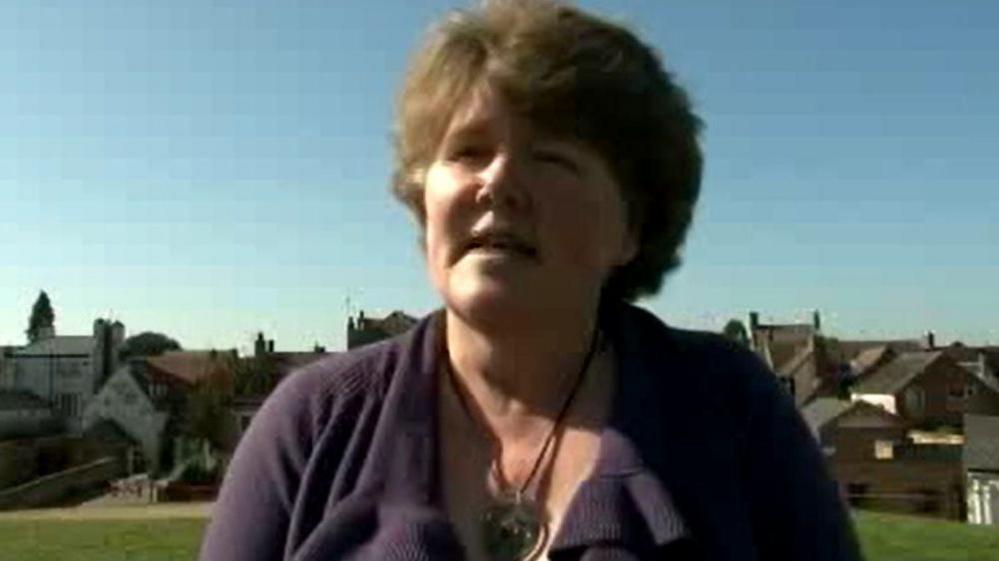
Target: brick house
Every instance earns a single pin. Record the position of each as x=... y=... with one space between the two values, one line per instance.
x=872 y=455
x=981 y=467
x=980 y=361
x=365 y=330
x=853 y=430
x=928 y=389
x=811 y=365
x=795 y=352
x=257 y=376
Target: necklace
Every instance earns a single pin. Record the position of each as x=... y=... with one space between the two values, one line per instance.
x=513 y=525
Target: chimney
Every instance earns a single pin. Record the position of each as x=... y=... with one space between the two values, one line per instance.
x=270 y=346
x=754 y=320
x=117 y=338
x=929 y=341
x=816 y=321
x=259 y=346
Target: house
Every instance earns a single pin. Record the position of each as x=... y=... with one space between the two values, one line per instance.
x=981 y=467
x=870 y=359
x=928 y=389
x=980 y=361
x=25 y=415
x=367 y=330
x=853 y=430
x=66 y=370
x=6 y=366
x=799 y=355
x=258 y=375
x=147 y=398
x=123 y=403
x=879 y=463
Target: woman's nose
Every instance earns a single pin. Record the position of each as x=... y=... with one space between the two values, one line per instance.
x=502 y=182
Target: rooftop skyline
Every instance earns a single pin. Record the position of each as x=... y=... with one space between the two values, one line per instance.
x=211 y=171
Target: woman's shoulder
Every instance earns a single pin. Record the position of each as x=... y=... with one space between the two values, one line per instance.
x=358 y=373
x=347 y=380
x=362 y=373
x=712 y=373
x=698 y=353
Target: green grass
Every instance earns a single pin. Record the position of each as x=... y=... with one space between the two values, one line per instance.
x=884 y=538
x=887 y=537
x=100 y=540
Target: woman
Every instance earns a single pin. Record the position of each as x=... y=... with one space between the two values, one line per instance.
x=553 y=167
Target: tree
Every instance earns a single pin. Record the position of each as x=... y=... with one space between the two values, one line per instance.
x=736 y=331
x=42 y=317
x=206 y=412
x=147 y=343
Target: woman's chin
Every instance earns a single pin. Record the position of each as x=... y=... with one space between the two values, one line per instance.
x=492 y=302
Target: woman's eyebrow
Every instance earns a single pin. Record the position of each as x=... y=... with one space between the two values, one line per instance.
x=471 y=128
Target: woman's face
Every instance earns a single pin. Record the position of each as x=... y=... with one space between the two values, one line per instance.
x=519 y=222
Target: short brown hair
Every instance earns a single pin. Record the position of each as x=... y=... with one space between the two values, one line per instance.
x=570 y=73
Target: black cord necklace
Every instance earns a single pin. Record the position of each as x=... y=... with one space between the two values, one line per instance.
x=513 y=526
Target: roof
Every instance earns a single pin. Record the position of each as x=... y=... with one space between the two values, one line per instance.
x=869 y=358
x=803 y=355
x=393 y=324
x=190 y=367
x=847 y=350
x=981 y=442
x=19 y=400
x=780 y=353
x=59 y=345
x=288 y=361
x=892 y=377
x=108 y=431
x=823 y=410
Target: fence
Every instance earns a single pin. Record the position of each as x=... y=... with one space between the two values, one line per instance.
x=51 y=489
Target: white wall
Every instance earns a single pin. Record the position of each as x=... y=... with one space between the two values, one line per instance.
x=50 y=377
x=983 y=498
x=886 y=402
x=25 y=422
x=123 y=401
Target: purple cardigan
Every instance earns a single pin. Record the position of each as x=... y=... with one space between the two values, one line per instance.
x=703 y=457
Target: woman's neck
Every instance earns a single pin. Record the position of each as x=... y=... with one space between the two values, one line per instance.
x=518 y=372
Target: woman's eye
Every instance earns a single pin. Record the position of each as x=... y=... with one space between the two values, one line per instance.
x=556 y=158
x=468 y=153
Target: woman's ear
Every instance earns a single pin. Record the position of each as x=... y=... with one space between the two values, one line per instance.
x=629 y=247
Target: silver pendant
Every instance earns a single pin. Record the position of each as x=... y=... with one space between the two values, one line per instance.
x=511 y=528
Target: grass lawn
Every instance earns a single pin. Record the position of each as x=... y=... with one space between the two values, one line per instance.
x=884 y=537
x=100 y=540
x=888 y=537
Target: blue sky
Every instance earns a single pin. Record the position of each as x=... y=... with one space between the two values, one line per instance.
x=212 y=169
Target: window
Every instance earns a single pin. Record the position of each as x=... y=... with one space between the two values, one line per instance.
x=915 y=401
x=68 y=404
x=884 y=450
x=856 y=493
x=787 y=382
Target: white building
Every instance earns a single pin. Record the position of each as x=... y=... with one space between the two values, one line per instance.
x=981 y=468
x=123 y=401
x=65 y=370
x=25 y=415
